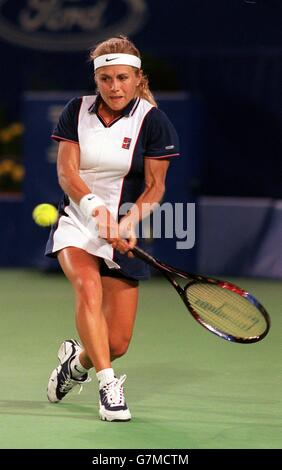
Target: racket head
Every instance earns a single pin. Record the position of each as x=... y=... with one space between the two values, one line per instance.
x=226 y=310
x=221 y=307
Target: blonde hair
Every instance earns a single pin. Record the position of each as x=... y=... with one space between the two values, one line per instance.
x=122 y=45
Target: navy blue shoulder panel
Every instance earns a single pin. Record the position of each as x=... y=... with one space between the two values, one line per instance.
x=66 y=128
x=160 y=136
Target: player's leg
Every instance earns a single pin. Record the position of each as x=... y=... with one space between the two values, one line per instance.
x=120 y=298
x=82 y=270
x=119 y=306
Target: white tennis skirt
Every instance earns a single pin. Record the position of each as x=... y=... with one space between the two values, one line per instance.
x=74 y=229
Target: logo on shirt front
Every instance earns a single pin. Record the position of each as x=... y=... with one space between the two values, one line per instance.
x=126 y=143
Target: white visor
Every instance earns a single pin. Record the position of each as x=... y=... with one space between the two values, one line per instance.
x=117 y=59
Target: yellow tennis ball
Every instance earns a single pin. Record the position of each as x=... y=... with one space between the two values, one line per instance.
x=45 y=215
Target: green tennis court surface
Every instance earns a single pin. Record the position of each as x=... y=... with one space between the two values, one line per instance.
x=186 y=388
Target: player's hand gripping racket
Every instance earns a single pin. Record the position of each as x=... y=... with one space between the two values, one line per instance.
x=223 y=308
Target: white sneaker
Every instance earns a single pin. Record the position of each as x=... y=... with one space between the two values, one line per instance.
x=112 y=402
x=61 y=380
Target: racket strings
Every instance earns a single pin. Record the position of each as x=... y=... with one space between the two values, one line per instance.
x=226 y=310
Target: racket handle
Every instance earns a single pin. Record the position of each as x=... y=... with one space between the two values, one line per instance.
x=163 y=267
x=139 y=253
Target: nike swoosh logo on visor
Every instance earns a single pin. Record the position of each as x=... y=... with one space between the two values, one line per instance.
x=109 y=60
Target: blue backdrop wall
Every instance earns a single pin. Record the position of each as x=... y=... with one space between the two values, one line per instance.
x=226 y=53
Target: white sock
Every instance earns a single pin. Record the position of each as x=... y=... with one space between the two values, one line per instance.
x=105 y=376
x=77 y=369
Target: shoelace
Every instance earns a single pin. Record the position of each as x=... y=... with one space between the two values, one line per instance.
x=70 y=382
x=114 y=391
x=81 y=385
x=67 y=385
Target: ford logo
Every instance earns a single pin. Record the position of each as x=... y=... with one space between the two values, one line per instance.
x=68 y=25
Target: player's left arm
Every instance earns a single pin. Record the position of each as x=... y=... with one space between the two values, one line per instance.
x=162 y=143
x=155 y=176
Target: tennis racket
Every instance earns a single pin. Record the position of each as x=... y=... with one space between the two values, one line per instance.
x=219 y=306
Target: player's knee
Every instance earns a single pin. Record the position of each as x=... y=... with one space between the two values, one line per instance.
x=119 y=348
x=86 y=287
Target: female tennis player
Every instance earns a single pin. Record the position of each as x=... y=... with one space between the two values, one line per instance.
x=114 y=148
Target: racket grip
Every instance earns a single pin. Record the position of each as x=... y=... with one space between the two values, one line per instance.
x=139 y=253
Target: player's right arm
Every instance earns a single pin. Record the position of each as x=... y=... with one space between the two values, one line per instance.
x=68 y=171
x=68 y=162
x=69 y=179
